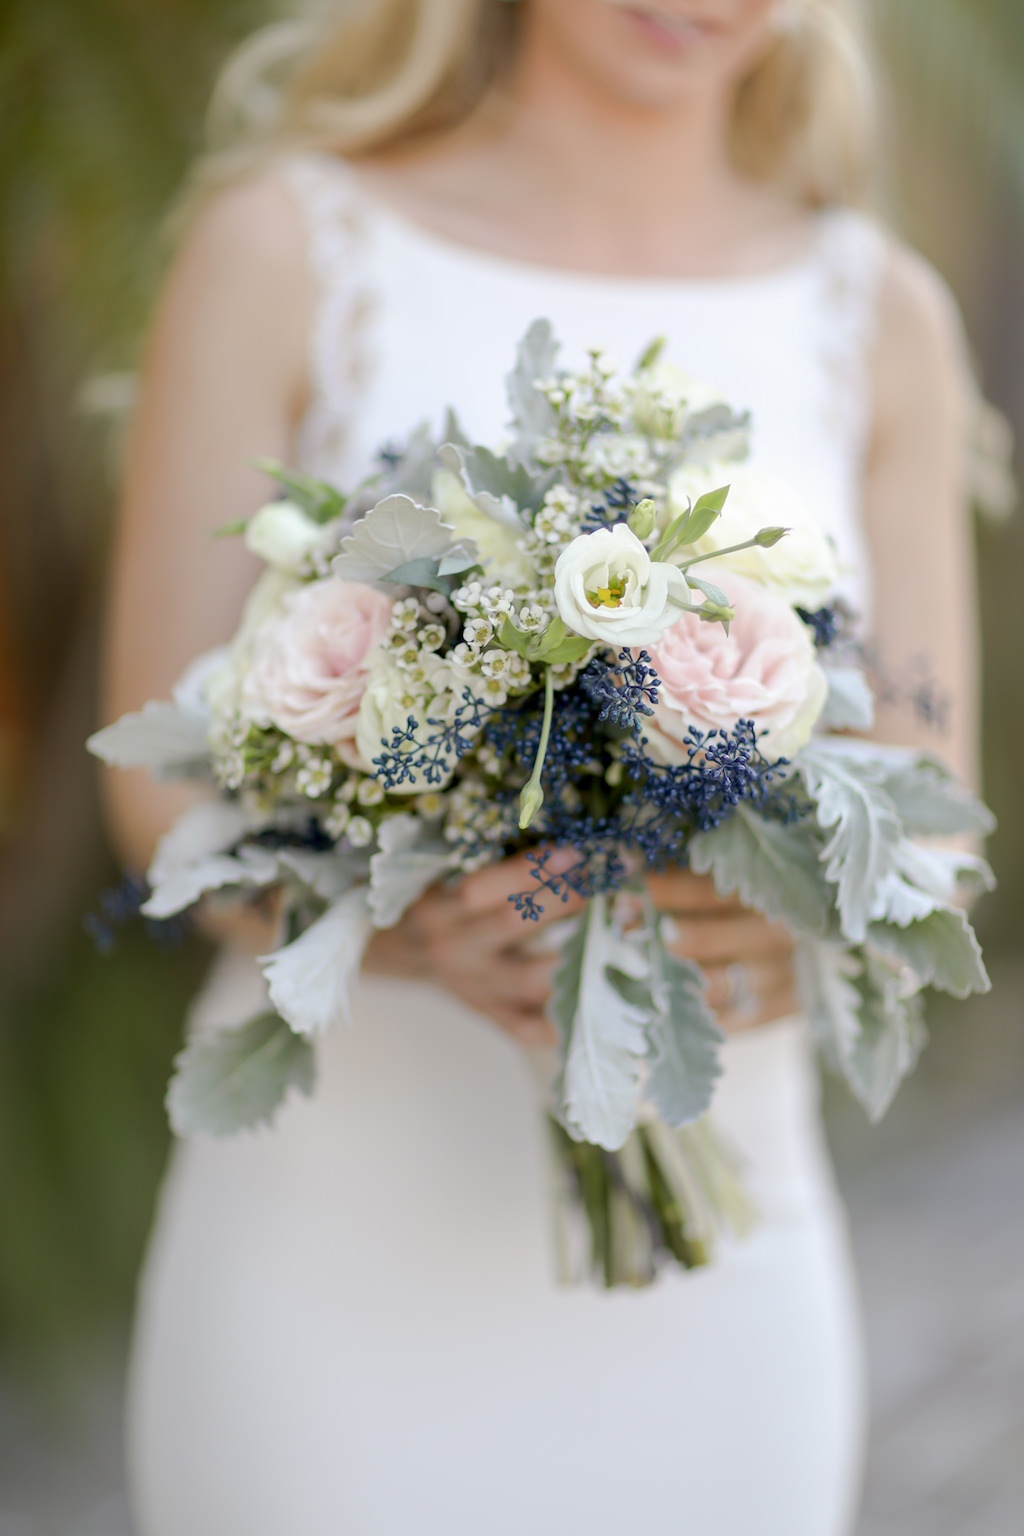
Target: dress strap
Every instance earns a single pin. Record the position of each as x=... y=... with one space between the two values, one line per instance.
x=852 y=256
x=336 y=226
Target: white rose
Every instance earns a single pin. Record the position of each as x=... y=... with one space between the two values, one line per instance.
x=498 y=541
x=608 y=588
x=664 y=396
x=802 y=566
x=223 y=687
x=390 y=697
x=285 y=537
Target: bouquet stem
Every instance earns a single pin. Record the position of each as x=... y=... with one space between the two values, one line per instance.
x=662 y=1198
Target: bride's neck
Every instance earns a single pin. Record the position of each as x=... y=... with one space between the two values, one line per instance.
x=553 y=169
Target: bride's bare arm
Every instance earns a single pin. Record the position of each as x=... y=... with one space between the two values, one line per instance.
x=924 y=627
x=221 y=386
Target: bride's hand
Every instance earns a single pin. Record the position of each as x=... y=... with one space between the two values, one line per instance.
x=472 y=942
x=748 y=961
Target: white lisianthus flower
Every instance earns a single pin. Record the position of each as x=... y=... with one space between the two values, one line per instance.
x=285 y=537
x=802 y=566
x=608 y=588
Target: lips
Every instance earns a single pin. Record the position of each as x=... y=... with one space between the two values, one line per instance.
x=666 y=22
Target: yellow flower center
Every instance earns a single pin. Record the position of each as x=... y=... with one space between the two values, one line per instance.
x=610 y=596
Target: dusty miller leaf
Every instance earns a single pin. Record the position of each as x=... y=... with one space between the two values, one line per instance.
x=941 y=949
x=930 y=800
x=394 y=533
x=235 y=1079
x=775 y=868
x=850 y=801
x=532 y=414
x=889 y=1038
x=161 y=736
x=605 y=1036
x=409 y=861
x=849 y=704
x=825 y=975
x=684 y=1036
x=309 y=978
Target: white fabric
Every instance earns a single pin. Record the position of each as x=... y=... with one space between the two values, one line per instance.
x=349 y=1324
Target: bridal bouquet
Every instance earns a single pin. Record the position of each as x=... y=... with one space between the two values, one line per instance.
x=479 y=653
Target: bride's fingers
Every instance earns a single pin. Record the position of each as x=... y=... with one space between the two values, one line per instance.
x=775 y=1005
x=741 y=936
x=491 y=887
x=680 y=890
x=755 y=979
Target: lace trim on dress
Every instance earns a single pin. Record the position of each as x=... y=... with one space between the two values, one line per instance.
x=339 y=357
x=852 y=253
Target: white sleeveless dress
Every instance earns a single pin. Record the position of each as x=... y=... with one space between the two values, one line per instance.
x=349 y=1324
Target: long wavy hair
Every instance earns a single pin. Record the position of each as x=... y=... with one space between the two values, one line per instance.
x=370 y=74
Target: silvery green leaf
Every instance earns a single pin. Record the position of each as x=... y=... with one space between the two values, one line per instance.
x=234 y=1080
x=396 y=531
x=940 y=948
x=684 y=1037
x=826 y=973
x=850 y=703
x=453 y=432
x=183 y=885
x=309 y=978
x=327 y=874
x=409 y=860
x=204 y=829
x=161 y=736
x=889 y=1037
x=930 y=800
x=850 y=800
x=924 y=878
x=532 y=414
x=410 y=473
x=715 y=435
x=605 y=1036
x=773 y=867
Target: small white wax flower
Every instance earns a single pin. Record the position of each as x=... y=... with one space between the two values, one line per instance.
x=359 y=832
x=608 y=588
x=283 y=536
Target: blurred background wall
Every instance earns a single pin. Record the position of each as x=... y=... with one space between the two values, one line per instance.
x=103 y=104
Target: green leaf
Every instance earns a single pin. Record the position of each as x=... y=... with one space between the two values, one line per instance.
x=235 y=1079
x=847 y=786
x=514 y=639
x=850 y=704
x=711 y=592
x=320 y=501
x=572 y=648
x=487 y=471
x=650 y=355
x=774 y=868
x=231 y=530
x=941 y=949
x=411 y=858
x=685 y=1038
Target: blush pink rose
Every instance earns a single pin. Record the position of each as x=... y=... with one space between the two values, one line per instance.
x=311 y=659
x=764 y=670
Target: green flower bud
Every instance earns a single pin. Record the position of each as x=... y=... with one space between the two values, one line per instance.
x=766 y=537
x=642 y=518
x=716 y=613
x=530 y=802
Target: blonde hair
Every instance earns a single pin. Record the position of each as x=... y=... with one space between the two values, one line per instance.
x=383 y=72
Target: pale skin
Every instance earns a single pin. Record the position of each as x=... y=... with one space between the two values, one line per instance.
x=568 y=166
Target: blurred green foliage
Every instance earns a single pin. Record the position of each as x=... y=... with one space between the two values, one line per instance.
x=103 y=104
